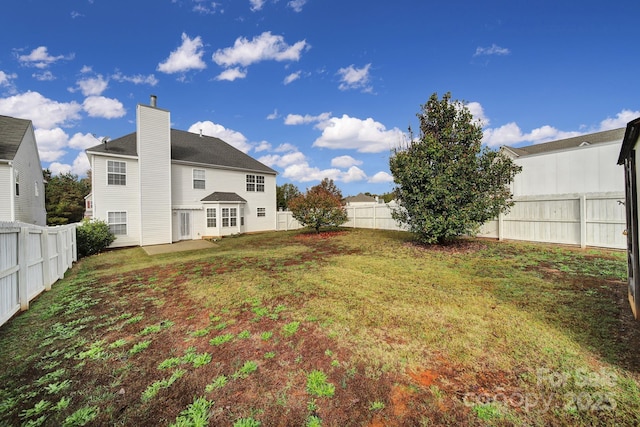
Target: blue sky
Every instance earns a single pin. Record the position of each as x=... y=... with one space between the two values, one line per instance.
x=315 y=88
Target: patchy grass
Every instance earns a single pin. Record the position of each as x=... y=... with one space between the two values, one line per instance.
x=355 y=327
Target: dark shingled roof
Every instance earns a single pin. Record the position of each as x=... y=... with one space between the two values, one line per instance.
x=220 y=196
x=360 y=198
x=190 y=147
x=564 y=144
x=12 y=132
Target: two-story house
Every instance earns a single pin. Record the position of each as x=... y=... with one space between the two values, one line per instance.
x=161 y=185
x=21 y=180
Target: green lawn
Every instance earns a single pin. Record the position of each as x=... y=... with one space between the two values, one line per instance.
x=355 y=327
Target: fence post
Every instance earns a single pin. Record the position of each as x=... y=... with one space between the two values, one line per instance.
x=23 y=277
x=61 y=254
x=46 y=270
x=583 y=220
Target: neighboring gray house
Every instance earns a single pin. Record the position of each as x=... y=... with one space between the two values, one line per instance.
x=161 y=185
x=21 y=180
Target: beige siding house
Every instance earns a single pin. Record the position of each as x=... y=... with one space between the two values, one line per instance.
x=21 y=180
x=161 y=185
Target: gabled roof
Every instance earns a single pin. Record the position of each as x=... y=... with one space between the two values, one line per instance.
x=12 y=133
x=614 y=135
x=360 y=198
x=220 y=196
x=191 y=148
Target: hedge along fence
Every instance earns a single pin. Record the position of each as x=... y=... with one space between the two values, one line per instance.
x=32 y=258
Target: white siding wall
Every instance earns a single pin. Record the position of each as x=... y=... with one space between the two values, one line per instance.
x=117 y=198
x=6 y=192
x=589 y=169
x=186 y=197
x=154 y=155
x=28 y=206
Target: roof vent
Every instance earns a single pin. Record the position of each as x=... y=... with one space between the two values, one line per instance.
x=584 y=144
x=154 y=100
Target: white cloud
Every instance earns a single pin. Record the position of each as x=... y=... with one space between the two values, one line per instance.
x=494 y=49
x=297 y=119
x=6 y=79
x=92 y=86
x=292 y=77
x=273 y=115
x=79 y=167
x=231 y=74
x=475 y=108
x=99 y=106
x=264 y=47
x=620 y=120
x=51 y=143
x=75 y=14
x=283 y=148
x=344 y=162
x=380 y=177
x=256 y=4
x=297 y=5
x=136 y=79
x=40 y=58
x=43 y=112
x=229 y=136
x=284 y=160
x=511 y=134
x=355 y=78
x=352 y=175
x=365 y=136
x=207 y=8
x=80 y=141
x=46 y=76
x=262 y=146
x=186 y=57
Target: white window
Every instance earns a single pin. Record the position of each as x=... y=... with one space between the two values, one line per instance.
x=198 y=179
x=116 y=173
x=242 y=217
x=251 y=183
x=229 y=217
x=117 y=222
x=262 y=212
x=255 y=183
x=211 y=217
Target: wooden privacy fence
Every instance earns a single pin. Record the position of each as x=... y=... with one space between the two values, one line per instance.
x=32 y=258
x=591 y=219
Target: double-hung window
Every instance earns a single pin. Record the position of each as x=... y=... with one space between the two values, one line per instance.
x=255 y=183
x=229 y=217
x=116 y=173
x=198 y=179
x=211 y=218
x=262 y=212
x=117 y=222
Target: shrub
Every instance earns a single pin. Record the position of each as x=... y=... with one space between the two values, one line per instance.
x=93 y=236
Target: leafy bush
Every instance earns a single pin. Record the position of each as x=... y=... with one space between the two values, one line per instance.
x=93 y=236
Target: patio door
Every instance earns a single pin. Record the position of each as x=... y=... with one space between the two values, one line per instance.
x=185 y=225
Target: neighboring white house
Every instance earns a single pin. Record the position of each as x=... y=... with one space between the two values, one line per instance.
x=582 y=164
x=21 y=180
x=569 y=191
x=161 y=185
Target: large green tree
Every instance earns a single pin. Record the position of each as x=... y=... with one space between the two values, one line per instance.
x=321 y=206
x=447 y=184
x=64 y=197
x=284 y=193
